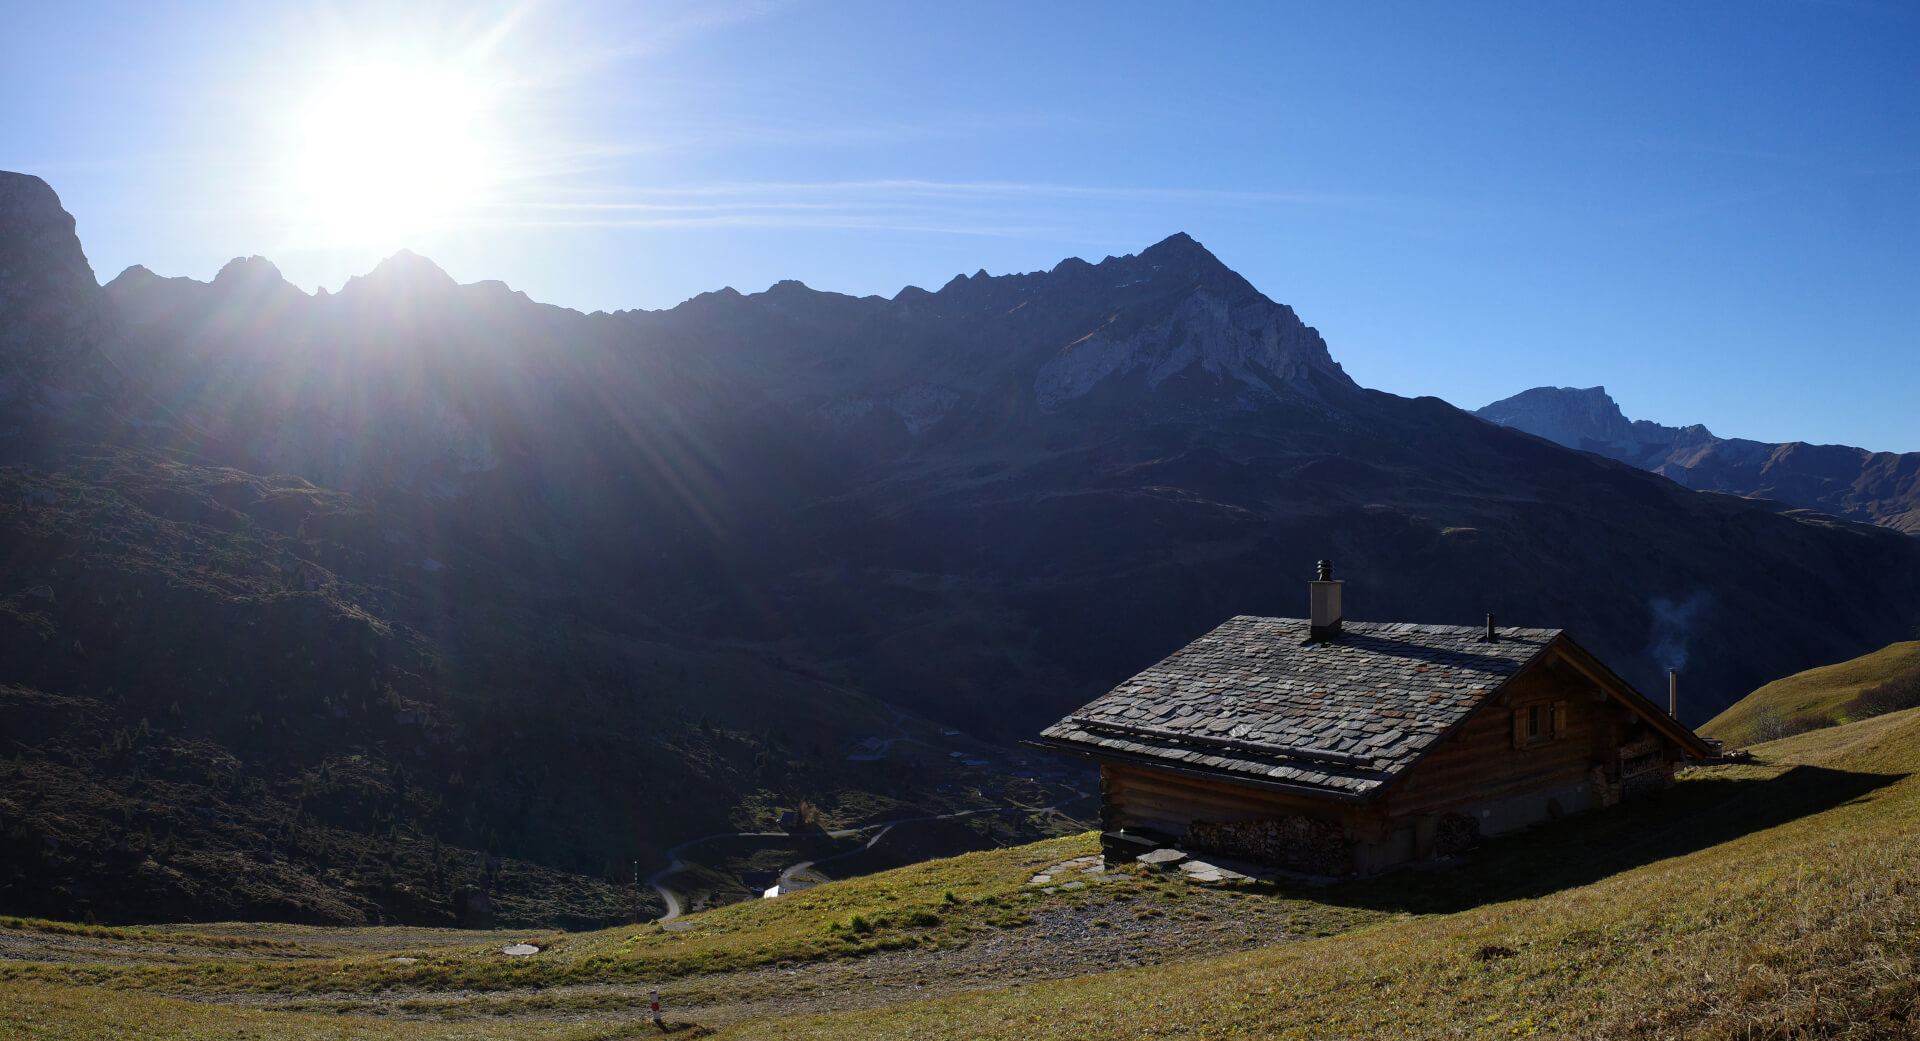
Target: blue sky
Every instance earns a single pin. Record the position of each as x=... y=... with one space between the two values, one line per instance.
x=1713 y=209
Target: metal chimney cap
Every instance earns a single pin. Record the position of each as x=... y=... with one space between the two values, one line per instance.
x=1326 y=571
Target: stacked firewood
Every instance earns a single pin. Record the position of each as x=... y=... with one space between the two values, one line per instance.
x=1455 y=834
x=1296 y=842
x=1656 y=778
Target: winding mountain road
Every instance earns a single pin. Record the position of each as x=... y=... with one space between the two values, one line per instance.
x=672 y=900
x=676 y=864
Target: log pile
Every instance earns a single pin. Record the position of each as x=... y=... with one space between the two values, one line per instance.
x=1643 y=768
x=1455 y=834
x=1296 y=842
x=1658 y=777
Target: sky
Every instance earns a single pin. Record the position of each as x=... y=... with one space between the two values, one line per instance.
x=1713 y=209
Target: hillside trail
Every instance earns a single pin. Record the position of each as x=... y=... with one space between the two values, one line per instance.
x=1059 y=941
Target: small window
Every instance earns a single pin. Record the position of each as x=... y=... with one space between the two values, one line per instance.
x=1533 y=723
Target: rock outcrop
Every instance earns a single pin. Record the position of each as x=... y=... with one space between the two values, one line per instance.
x=1259 y=350
x=1209 y=322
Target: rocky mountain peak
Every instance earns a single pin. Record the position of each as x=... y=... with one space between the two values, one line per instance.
x=1178 y=258
x=37 y=234
x=1180 y=247
x=250 y=272
x=1180 y=311
x=788 y=289
x=49 y=299
x=1564 y=415
x=1877 y=487
x=134 y=274
x=1588 y=419
x=405 y=271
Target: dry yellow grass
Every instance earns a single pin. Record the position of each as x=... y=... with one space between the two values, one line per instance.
x=32 y=1012
x=1807 y=929
x=1779 y=899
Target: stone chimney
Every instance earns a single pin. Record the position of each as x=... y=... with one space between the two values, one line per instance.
x=1325 y=619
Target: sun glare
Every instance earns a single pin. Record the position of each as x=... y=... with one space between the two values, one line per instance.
x=388 y=150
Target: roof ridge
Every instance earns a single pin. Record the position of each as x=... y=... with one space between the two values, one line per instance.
x=1429 y=626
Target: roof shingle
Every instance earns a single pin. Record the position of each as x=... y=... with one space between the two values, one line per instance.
x=1256 y=698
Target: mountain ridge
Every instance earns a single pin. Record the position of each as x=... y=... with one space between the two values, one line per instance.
x=1856 y=483
x=379 y=388
x=978 y=506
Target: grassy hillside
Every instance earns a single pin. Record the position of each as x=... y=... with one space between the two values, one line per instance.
x=1779 y=898
x=1807 y=929
x=1814 y=697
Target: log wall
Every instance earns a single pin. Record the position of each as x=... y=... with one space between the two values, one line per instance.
x=1491 y=757
x=1316 y=833
x=1144 y=799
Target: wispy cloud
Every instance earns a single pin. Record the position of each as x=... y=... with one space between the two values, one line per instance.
x=1001 y=189
x=660 y=30
x=955 y=207
x=868 y=222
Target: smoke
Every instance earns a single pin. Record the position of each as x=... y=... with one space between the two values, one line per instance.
x=1673 y=622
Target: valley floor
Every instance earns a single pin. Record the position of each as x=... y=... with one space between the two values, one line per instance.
x=1777 y=899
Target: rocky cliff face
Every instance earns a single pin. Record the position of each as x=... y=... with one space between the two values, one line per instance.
x=1257 y=352
x=1168 y=328
x=1563 y=415
x=1876 y=487
x=50 y=318
x=1208 y=323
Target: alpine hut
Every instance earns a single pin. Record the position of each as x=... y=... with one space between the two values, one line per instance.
x=1338 y=748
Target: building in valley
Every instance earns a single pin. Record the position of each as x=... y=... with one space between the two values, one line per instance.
x=1349 y=748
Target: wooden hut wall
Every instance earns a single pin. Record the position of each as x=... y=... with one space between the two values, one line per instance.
x=1493 y=757
x=1157 y=800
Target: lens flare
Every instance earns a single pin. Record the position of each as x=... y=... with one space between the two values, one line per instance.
x=387 y=150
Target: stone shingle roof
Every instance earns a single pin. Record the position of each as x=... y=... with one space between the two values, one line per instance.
x=1254 y=698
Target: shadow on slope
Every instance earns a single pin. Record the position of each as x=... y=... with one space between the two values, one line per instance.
x=1696 y=815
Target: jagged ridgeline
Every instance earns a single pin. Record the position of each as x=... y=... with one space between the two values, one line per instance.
x=427 y=601
x=1855 y=483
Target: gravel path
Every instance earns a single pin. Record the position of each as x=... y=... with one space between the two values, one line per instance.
x=1059 y=940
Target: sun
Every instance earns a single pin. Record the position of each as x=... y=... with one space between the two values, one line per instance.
x=383 y=151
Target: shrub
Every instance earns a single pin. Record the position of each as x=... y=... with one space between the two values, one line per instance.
x=1770 y=725
x=1900 y=692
